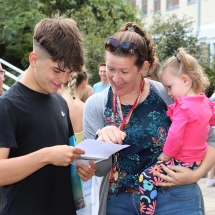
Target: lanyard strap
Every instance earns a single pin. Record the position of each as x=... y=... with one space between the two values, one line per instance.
x=117 y=106
x=114 y=172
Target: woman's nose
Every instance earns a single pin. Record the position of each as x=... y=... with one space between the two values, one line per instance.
x=116 y=77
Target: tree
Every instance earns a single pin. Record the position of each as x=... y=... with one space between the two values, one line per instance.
x=99 y=19
x=169 y=33
x=18 y=20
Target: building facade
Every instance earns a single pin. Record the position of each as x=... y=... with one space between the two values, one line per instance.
x=202 y=12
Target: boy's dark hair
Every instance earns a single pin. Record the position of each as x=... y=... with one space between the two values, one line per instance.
x=61 y=38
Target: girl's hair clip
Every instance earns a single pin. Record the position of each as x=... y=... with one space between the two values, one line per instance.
x=130 y=28
x=175 y=54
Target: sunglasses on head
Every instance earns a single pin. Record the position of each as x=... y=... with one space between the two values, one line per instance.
x=112 y=44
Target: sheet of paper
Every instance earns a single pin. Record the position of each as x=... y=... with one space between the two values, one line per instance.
x=97 y=150
x=84 y=161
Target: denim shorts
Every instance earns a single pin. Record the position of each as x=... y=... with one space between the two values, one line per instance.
x=178 y=200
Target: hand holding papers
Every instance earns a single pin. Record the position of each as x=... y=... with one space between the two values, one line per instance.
x=96 y=150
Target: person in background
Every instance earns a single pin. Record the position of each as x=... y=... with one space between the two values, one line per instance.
x=1 y=79
x=210 y=176
x=87 y=93
x=104 y=83
x=133 y=112
x=96 y=181
x=1 y=91
x=192 y=114
x=72 y=92
x=35 y=151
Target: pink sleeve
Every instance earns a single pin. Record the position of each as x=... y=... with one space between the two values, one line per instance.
x=212 y=120
x=180 y=116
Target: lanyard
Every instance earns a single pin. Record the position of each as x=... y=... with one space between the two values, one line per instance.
x=114 y=172
x=117 y=106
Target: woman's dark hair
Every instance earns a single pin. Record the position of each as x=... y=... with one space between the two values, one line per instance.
x=131 y=32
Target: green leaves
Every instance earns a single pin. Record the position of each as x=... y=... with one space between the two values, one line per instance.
x=169 y=33
x=97 y=20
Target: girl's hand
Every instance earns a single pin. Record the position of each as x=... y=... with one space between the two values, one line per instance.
x=163 y=157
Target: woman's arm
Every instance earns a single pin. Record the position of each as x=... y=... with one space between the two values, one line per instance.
x=93 y=118
x=184 y=175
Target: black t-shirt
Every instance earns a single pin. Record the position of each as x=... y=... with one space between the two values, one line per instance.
x=30 y=121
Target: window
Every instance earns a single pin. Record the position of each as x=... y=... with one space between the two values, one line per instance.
x=157 y=6
x=145 y=7
x=133 y=2
x=171 y=4
x=191 y=1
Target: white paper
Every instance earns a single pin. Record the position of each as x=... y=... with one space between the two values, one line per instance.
x=96 y=150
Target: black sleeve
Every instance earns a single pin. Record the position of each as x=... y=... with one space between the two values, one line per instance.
x=8 y=124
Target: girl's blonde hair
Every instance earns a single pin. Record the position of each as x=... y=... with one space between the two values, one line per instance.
x=75 y=80
x=183 y=63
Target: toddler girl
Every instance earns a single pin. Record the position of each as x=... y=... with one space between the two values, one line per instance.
x=191 y=114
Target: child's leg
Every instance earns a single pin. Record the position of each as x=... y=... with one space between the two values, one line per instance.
x=148 y=192
x=211 y=173
x=147 y=179
x=211 y=181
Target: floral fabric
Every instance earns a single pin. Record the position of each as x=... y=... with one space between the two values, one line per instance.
x=145 y=133
x=147 y=179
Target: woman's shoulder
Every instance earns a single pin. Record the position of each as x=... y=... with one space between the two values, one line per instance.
x=157 y=85
x=161 y=91
x=98 y=98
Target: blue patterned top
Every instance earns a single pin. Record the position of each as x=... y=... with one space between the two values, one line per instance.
x=145 y=133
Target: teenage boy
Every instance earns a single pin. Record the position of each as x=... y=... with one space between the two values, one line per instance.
x=34 y=153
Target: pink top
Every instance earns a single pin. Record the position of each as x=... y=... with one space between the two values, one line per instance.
x=191 y=118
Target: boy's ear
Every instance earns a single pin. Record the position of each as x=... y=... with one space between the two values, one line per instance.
x=186 y=79
x=33 y=59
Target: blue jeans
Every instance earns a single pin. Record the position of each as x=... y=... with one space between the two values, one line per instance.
x=180 y=200
x=148 y=199
x=123 y=204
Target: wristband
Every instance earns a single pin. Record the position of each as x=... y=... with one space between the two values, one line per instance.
x=97 y=133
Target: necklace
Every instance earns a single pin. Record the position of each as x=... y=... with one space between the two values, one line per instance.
x=75 y=101
x=117 y=107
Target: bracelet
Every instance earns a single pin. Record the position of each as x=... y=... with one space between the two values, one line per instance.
x=97 y=133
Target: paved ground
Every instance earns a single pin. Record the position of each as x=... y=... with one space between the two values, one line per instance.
x=209 y=197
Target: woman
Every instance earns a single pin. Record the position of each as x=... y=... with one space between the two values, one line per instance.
x=133 y=111
x=191 y=116
x=72 y=92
